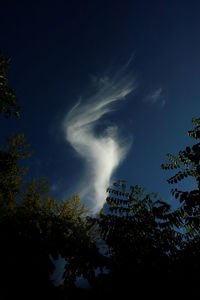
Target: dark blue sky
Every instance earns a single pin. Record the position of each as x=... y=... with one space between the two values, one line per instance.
x=58 y=46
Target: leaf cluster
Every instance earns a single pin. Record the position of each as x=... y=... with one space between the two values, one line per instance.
x=8 y=98
x=34 y=226
x=188 y=163
x=140 y=241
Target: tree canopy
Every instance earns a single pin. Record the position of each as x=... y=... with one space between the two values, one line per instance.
x=8 y=99
x=137 y=243
x=35 y=227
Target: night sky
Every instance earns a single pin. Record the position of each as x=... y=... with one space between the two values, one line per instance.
x=69 y=52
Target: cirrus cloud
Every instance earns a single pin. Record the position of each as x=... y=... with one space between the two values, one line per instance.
x=156 y=97
x=103 y=152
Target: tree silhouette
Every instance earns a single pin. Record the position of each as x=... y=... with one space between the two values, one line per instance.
x=187 y=162
x=139 y=232
x=8 y=99
x=33 y=226
x=137 y=243
x=187 y=265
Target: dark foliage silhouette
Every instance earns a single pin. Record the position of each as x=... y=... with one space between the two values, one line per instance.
x=34 y=228
x=136 y=246
x=8 y=99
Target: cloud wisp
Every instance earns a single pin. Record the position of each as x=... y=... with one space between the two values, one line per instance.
x=156 y=97
x=102 y=152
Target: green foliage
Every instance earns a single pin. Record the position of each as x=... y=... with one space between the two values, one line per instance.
x=12 y=175
x=8 y=99
x=195 y=133
x=187 y=162
x=145 y=243
x=138 y=216
x=139 y=232
x=34 y=226
x=72 y=208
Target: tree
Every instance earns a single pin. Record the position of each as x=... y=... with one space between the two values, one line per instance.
x=187 y=264
x=12 y=175
x=33 y=226
x=187 y=162
x=8 y=99
x=38 y=228
x=139 y=231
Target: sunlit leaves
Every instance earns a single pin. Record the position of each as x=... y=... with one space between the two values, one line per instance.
x=195 y=133
x=12 y=175
x=72 y=208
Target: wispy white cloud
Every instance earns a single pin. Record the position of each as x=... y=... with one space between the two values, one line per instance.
x=156 y=97
x=102 y=153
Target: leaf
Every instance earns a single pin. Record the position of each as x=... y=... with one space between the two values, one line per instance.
x=188 y=149
x=176 y=195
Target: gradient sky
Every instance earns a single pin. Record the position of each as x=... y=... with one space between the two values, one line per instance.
x=60 y=48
